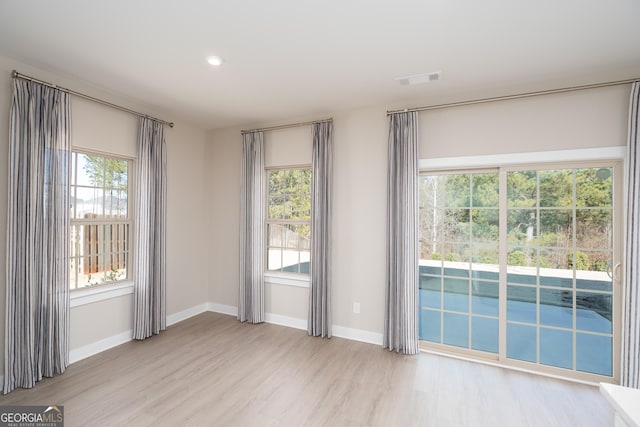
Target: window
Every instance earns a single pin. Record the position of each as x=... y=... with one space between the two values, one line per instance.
x=289 y=220
x=518 y=264
x=100 y=220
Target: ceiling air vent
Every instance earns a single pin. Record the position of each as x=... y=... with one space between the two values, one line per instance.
x=419 y=79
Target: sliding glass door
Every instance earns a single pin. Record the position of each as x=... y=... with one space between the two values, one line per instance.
x=517 y=265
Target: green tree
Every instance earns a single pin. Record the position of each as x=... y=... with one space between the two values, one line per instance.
x=112 y=176
x=289 y=194
x=105 y=172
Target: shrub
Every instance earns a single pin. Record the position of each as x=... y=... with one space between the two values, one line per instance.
x=454 y=257
x=517 y=258
x=582 y=261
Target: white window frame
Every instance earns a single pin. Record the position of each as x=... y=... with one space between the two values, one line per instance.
x=300 y=280
x=504 y=163
x=91 y=294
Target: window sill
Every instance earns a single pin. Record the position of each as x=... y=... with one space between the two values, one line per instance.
x=297 y=280
x=99 y=293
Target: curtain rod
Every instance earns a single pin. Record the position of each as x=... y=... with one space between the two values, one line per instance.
x=294 y=125
x=515 y=96
x=17 y=75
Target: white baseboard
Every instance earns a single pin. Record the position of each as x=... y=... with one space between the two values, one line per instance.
x=290 y=322
x=293 y=322
x=357 y=335
x=185 y=314
x=88 y=350
x=222 y=309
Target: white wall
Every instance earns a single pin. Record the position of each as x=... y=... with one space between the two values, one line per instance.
x=580 y=119
x=585 y=119
x=101 y=128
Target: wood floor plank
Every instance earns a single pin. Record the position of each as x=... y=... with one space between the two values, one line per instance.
x=213 y=370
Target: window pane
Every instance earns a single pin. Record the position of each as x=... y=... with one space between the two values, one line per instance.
x=457 y=225
x=521 y=275
x=594 y=187
x=556 y=348
x=521 y=304
x=594 y=228
x=99 y=253
x=521 y=263
x=430 y=291
x=484 y=334
x=89 y=202
x=551 y=261
x=556 y=227
x=556 y=308
x=456 y=190
x=485 y=225
x=484 y=298
x=90 y=170
x=485 y=259
x=485 y=190
x=430 y=325
x=305 y=258
x=556 y=188
x=596 y=280
x=456 y=330
x=274 y=235
x=101 y=186
x=115 y=204
x=456 y=295
x=115 y=174
x=593 y=354
x=456 y=260
x=521 y=227
x=593 y=312
x=522 y=189
x=430 y=267
x=274 y=259
x=521 y=342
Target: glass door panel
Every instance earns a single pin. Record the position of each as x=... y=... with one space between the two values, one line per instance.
x=459 y=234
x=559 y=295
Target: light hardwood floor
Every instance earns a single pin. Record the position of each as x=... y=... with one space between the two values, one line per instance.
x=211 y=370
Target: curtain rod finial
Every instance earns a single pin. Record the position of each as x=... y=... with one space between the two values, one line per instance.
x=14 y=74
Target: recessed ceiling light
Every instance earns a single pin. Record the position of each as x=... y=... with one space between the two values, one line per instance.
x=216 y=61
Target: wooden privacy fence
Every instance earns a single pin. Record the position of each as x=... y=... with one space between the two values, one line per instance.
x=106 y=242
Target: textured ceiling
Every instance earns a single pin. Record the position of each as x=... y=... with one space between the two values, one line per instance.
x=294 y=58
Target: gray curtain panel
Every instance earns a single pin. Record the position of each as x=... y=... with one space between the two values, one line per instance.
x=252 y=217
x=149 y=302
x=401 y=309
x=37 y=305
x=631 y=300
x=319 y=323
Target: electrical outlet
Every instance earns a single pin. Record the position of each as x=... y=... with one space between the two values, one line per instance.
x=356 y=307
